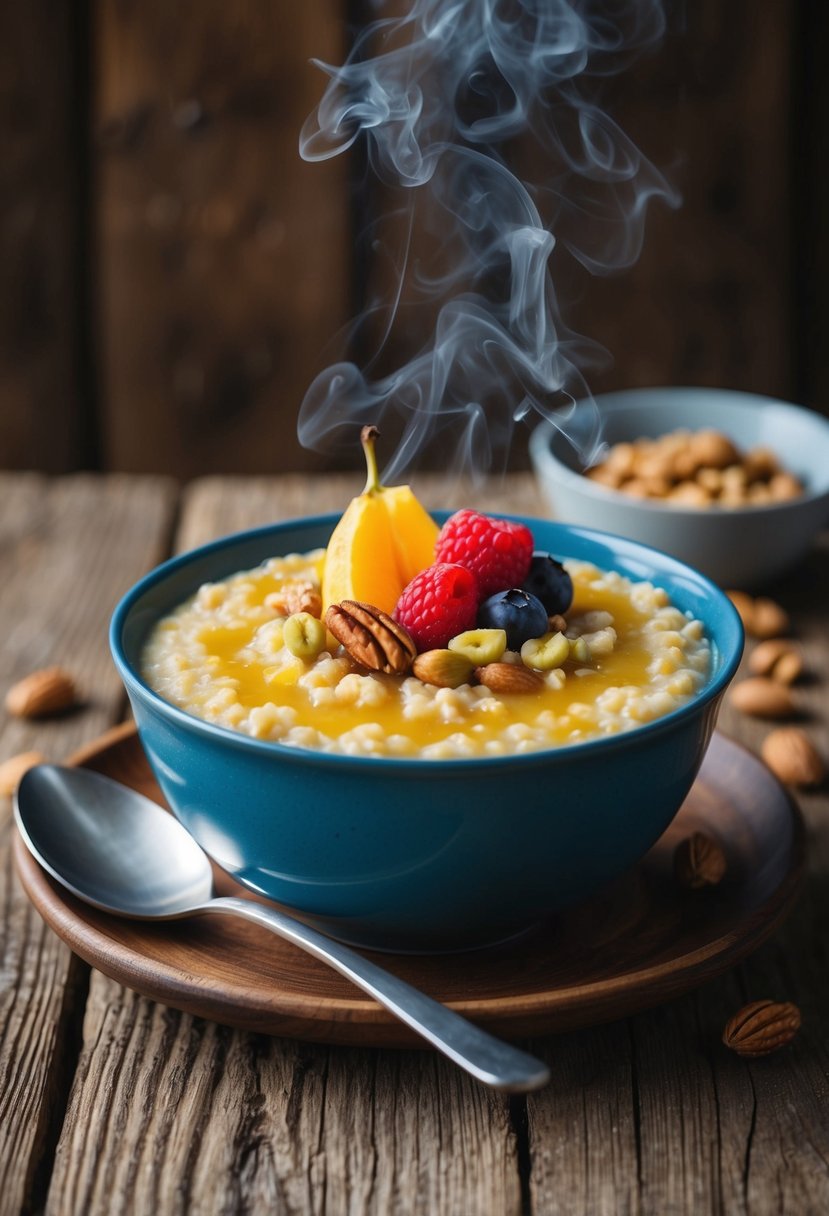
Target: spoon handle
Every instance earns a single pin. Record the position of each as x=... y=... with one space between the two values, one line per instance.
x=488 y=1059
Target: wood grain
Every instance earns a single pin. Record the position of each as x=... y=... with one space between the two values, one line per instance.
x=69 y=550
x=42 y=410
x=224 y=260
x=708 y=300
x=649 y=1115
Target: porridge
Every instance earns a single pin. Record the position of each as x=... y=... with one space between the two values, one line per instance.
x=240 y=655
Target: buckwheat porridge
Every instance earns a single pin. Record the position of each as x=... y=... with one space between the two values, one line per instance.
x=626 y=657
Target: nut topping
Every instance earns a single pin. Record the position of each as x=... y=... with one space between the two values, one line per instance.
x=443 y=668
x=509 y=678
x=698 y=862
x=371 y=637
x=762 y=1027
x=294 y=598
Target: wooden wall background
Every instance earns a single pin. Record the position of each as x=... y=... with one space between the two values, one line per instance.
x=171 y=272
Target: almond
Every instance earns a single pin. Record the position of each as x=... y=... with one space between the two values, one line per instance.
x=745 y=608
x=762 y=698
x=792 y=757
x=788 y=668
x=509 y=678
x=765 y=655
x=443 y=668
x=768 y=619
x=41 y=693
x=762 y=1027
x=12 y=770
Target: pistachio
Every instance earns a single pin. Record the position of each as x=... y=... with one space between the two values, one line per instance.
x=545 y=653
x=480 y=646
x=304 y=635
x=443 y=668
x=579 y=650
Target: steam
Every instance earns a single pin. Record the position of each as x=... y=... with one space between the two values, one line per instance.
x=448 y=85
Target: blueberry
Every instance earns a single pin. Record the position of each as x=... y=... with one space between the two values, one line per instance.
x=550 y=582
x=520 y=614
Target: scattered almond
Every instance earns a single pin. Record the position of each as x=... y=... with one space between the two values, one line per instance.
x=42 y=693
x=788 y=668
x=768 y=618
x=745 y=608
x=698 y=862
x=761 y=1028
x=762 y=698
x=509 y=678
x=792 y=757
x=12 y=770
x=766 y=656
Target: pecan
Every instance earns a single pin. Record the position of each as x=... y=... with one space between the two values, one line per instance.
x=371 y=637
x=762 y=1027
x=698 y=862
x=294 y=598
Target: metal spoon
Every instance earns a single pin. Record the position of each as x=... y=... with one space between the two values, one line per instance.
x=119 y=851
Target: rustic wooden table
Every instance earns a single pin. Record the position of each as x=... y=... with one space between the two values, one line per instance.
x=110 y=1103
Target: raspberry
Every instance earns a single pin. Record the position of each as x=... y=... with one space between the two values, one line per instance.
x=438 y=603
x=496 y=551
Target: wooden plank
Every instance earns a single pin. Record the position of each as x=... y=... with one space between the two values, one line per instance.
x=192 y=1117
x=810 y=191
x=711 y=1133
x=70 y=549
x=41 y=424
x=708 y=301
x=225 y=259
x=651 y=1115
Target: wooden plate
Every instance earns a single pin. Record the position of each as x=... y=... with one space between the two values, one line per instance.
x=641 y=942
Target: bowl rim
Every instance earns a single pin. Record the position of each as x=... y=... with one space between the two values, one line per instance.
x=293 y=754
x=548 y=464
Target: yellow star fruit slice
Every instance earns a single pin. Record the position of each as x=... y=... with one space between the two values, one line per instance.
x=384 y=538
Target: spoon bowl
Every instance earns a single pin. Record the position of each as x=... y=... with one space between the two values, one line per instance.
x=119 y=851
x=111 y=846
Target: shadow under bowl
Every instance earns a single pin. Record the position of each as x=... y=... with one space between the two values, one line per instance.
x=417 y=855
x=736 y=547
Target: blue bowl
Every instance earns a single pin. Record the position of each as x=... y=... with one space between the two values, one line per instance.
x=417 y=855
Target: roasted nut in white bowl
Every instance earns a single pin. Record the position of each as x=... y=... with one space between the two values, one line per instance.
x=744 y=545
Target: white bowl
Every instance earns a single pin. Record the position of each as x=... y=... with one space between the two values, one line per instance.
x=736 y=547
